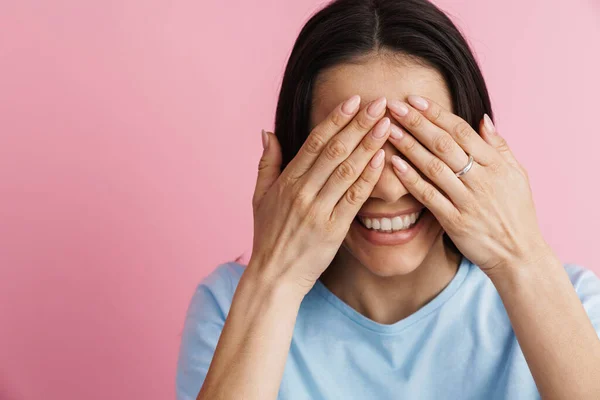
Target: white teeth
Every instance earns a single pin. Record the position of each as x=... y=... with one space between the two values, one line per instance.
x=375 y=224
x=386 y=224
x=397 y=223
x=391 y=224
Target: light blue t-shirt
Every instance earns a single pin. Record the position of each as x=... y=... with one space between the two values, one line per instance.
x=460 y=345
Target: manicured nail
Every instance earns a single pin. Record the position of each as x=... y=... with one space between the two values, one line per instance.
x=377 y=158
x=399 y=163
x=398 y=107
x=265 y=139
x=381 y=128
x=396 y=132
x=418 y=102
x=489 y=126
x=377 y=107
x=351 y=105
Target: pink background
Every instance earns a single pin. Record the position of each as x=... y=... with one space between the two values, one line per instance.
x=129 y=139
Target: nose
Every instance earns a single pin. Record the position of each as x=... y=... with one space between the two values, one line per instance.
x=389 y=188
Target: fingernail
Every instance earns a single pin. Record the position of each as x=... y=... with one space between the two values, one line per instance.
x=398 y=107
x=399 y=163
x=377 y=158
x=350 y=106
x=265 y=139
x=418 y=102
x=381 y=128
x=396 y=132
x=489 y=125
x=377 y=107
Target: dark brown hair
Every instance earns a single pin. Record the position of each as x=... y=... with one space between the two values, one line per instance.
x=346 y=30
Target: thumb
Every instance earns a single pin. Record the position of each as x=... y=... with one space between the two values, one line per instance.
x=268 y=166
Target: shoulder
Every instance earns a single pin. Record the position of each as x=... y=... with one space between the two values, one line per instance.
x=204 y=321
x=586 y=284
x=217 y=288
x=224 y=277
x=587 y=287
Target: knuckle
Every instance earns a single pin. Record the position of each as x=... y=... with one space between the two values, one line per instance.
x=502 y=145
x=369 y=145
x=429 y=194
x=469 y=207
x=479 y=187
x=414 y=120
x=335 y=149
x=495 y=167
x=262 y=164
x=312 y=214
x=329 y=227
x=409 y=145
x=338 y=120
x=435 y=167
x=314 y=143
x=301 y=201
x=345 y=171
x=444 y=143
x=456 y=219
x=357 y=193
x=362 y=122
x=436 y=113
x=414 y=180
x=283 y=182
x=462 y=131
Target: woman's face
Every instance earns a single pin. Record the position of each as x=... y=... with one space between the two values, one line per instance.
x=384 y=254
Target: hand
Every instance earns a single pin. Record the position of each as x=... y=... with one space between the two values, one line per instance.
x=488 y=212
x=302 y=215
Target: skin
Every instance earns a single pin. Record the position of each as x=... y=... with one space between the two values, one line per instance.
x=302 y=215
x=386 y=283
x=489 y=214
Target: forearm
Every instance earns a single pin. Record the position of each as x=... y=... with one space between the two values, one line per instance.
x=558 y=340
x=250 y=357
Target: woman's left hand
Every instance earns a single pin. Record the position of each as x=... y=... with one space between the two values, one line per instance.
x=488 y=212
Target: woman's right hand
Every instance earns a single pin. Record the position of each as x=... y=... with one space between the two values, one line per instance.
x=302 y=215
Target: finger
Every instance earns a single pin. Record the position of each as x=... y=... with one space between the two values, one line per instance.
x=423 y=191
x=339 y=147
x=435 y=139
x=491 y=136
x=320 y=136
x=350 y=169
x=435 y=169
x=268 y=166
x=458 y=129
x=356 y=195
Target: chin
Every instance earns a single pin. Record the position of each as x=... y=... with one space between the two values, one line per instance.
x=392 y=262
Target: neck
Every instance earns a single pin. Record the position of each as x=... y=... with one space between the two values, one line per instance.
x=387 y=300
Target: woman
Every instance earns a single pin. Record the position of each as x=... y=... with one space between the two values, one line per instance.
x=396 y=251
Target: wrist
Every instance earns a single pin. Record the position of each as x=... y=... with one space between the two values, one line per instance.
x=514 y=269
x=266 y=278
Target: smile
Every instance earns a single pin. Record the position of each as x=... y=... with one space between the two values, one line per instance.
x=391 y=224
x=390 y=229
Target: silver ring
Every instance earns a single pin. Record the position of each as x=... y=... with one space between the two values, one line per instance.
x=466 y=168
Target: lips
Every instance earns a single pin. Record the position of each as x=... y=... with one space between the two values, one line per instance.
x=391 y=238
x=388 y=225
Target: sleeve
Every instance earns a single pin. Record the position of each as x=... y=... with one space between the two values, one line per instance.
x=587 y=286
x=203 y=324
